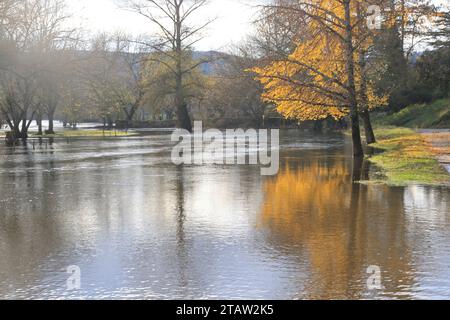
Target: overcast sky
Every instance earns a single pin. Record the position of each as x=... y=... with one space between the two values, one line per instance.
x=233 y=20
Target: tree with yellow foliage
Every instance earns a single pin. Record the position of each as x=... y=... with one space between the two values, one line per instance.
x=324 y=76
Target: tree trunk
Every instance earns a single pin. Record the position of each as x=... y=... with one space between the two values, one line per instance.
x=370 y=135
x=364 y=103
x=16 y=130
x=357 y=171
x=24 y=132
x=39 y=124
x=131 y=113
x=183 y=119
x=353 y=101
x=50 y=123
x=356 y=135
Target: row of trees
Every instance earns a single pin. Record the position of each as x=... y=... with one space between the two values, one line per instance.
x=312 y=59
x=34 y=40
x=49 y=69
x=341 y=58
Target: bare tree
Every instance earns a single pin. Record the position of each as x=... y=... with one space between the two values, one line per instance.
x=56 y=39
x=20 y=61
x=177 y=38
x=233 y=94
x=127 y=54
x=6 y=8
x=112 y=72
x=278 y=29
x=35 y=30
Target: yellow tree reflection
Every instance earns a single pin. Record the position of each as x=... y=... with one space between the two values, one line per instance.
x=340 y=225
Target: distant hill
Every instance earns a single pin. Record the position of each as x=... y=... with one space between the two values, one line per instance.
x=216 y=61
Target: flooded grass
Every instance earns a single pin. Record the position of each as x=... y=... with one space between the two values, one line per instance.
x=407 y=158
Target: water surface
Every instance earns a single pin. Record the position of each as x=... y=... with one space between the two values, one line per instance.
x=140 y=227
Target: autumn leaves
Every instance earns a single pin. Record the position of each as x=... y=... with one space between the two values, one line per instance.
x=326 y=75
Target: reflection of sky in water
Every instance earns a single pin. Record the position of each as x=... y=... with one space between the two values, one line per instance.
x=427 y=211
x=140 y=227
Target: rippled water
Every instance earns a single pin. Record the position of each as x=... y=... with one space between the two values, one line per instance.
x=140 y=227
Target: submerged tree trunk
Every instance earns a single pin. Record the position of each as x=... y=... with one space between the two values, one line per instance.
x=356 y=135
x=364 y=104
x=357 y=170
x=353 y=101
x=183 y=119
x=24 y=131
x=15 y=128
x=110 y=123
x=50 y=123
x=16 y=119
x=39 y=125
x=18 y=127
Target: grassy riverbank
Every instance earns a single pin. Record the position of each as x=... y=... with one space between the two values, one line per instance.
x=406 y=158
x=432 y=115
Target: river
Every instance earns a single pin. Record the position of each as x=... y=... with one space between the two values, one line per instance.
x=138 y=226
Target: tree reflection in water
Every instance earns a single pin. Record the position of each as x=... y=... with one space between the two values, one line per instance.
x=343 y=227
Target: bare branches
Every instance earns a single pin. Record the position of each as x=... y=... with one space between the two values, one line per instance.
x=177 y=38
x=171 y=19
x=33 y=31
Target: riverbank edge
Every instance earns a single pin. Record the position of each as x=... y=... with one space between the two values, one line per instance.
x=83 y=133
x=405 y=158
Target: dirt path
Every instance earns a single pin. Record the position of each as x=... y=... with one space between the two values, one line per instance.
x=440 y=143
